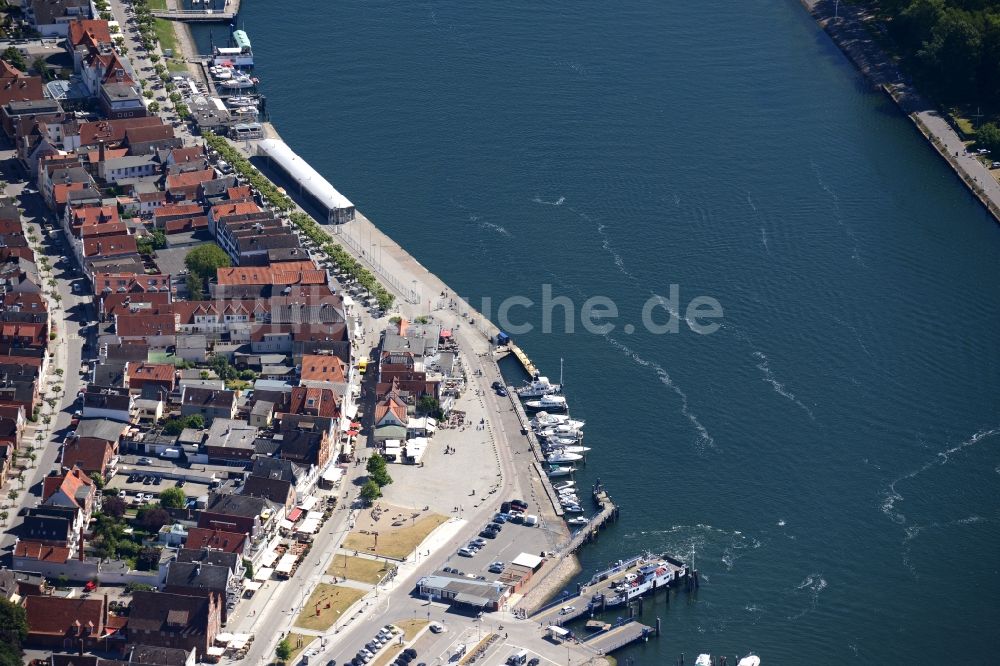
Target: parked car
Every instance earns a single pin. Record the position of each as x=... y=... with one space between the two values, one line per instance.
x=122 y=494
x=465 y=552
x=145 y=461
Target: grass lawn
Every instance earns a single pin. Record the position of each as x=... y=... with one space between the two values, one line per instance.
x=395 y=542
x=410 y=630
x=157 y=5
x=358 y=568
x=299 y=642
x=165 y=33
x=332 y=601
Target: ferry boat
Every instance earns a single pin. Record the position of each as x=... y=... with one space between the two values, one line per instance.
x=548 y=402
x=643 y=574
x=238 y=55
x=538 y=387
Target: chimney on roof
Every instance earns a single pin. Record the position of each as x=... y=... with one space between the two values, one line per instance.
x=100 y=151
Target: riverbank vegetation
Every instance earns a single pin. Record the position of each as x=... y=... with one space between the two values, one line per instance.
x=951 y=48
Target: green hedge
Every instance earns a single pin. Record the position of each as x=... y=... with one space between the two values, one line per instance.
x=241 y=164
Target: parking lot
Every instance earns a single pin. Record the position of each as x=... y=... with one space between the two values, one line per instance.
x=476 y=556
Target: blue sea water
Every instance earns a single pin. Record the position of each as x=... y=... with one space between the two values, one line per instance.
x=830 y=457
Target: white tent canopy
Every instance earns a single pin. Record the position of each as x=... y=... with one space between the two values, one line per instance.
x=264 y=573
x=339 y=208
x=286 y=564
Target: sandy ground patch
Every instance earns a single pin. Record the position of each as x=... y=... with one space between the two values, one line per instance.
x=360 y=569
x=331 y=601
x=391 y=531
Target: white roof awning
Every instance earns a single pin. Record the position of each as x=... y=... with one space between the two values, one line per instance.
x=527 y=560
x=264 y=573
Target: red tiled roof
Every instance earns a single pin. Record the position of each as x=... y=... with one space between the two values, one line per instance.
x=143 y=325
x=182 y=155
x=89 y=32
x=68 y=484
x=39 y=551
x=185 y=224
x=189 y=178
x=112 y=130
x=109 y=246
x=200 y=538
x=115 y=303
x=323 y=368
x=152 y=372
x=150 y=133
x=89 y=455
x=106 y=229
x=292 y=272
x=60 y=191
x=59 y=616
x=126 y=282
x=316 y=401
x=240 y=193
x=84 y=215
x=94 y=156
x=187 y=210
x=236 y=208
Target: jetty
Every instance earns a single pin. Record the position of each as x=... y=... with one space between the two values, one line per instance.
x=607 y=512
x=618 y=636
x=519 y=354
x=194 y=16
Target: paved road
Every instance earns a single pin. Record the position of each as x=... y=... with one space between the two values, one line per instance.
x=67 y=316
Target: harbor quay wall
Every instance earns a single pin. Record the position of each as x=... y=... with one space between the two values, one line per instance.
x=844 y=23
x=361 y=232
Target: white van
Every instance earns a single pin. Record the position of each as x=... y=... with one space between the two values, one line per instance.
x=517 y=658
x=530 y=521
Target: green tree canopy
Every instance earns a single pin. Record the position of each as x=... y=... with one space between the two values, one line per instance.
x=113 y=506
x=173 y=498
x=13 y=623
x=283 y=651
x=205 y=259
x=370 y=491
x=988 y=136
x=14 y=57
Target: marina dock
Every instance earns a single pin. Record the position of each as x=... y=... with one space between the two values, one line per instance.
x=618 y=636
x=607 y=511
x=226 y=15
x=529 y=367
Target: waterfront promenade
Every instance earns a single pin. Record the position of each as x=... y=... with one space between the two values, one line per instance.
x=845 y=23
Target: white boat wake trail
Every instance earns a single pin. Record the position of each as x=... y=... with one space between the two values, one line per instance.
x=778 y=387
x=855 y=255
x=813 y=585
x=763 y=230
x=558 y=202
x=704 y=438
x=890 y=494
